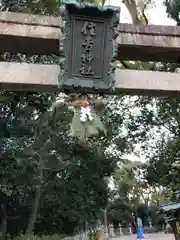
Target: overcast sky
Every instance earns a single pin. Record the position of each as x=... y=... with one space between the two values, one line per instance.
x=156 y=13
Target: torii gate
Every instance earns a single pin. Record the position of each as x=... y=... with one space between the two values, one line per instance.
x=35 y=34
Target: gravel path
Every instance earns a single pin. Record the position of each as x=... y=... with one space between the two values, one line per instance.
x=161 y=236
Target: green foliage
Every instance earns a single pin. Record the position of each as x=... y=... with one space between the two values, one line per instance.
x=71 y=176
x=43 y=237
x=120 y=212
x=46 y=7
x=38 y=153
x=153 y=123
x=173 y=9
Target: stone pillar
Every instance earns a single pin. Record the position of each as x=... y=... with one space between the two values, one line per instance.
x=150 y=224
x=167 y=226
x=108 y=231
x=130 y=229
x=120 y=230
x=112 y=231
x=105 y=223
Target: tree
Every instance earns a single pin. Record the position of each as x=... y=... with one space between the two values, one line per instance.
x=155 y=126
x=120 y=212
x=173 y=9
x=67 y=180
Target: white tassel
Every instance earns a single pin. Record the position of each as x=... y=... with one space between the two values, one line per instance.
x=85 y=114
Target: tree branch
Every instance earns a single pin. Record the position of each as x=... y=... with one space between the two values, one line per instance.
x=138 y=18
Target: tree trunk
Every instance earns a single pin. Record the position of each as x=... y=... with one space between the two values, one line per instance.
x=3 y=228
x=35 y=205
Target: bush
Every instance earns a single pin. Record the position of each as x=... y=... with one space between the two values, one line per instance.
x=150 y=229
x=43 y=237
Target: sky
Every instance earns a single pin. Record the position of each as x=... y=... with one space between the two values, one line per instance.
x=156 y=14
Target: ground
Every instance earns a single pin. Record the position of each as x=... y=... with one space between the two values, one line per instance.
x=161 y=236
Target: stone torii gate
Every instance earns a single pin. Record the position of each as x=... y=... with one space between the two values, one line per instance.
x=35 y=34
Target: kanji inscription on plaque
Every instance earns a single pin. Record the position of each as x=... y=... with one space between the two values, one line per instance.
x=88 y=30
x=88 y=47
x=89 y=27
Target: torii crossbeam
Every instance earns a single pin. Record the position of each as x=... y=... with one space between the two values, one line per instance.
x=34 y=34
x=38 y=77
